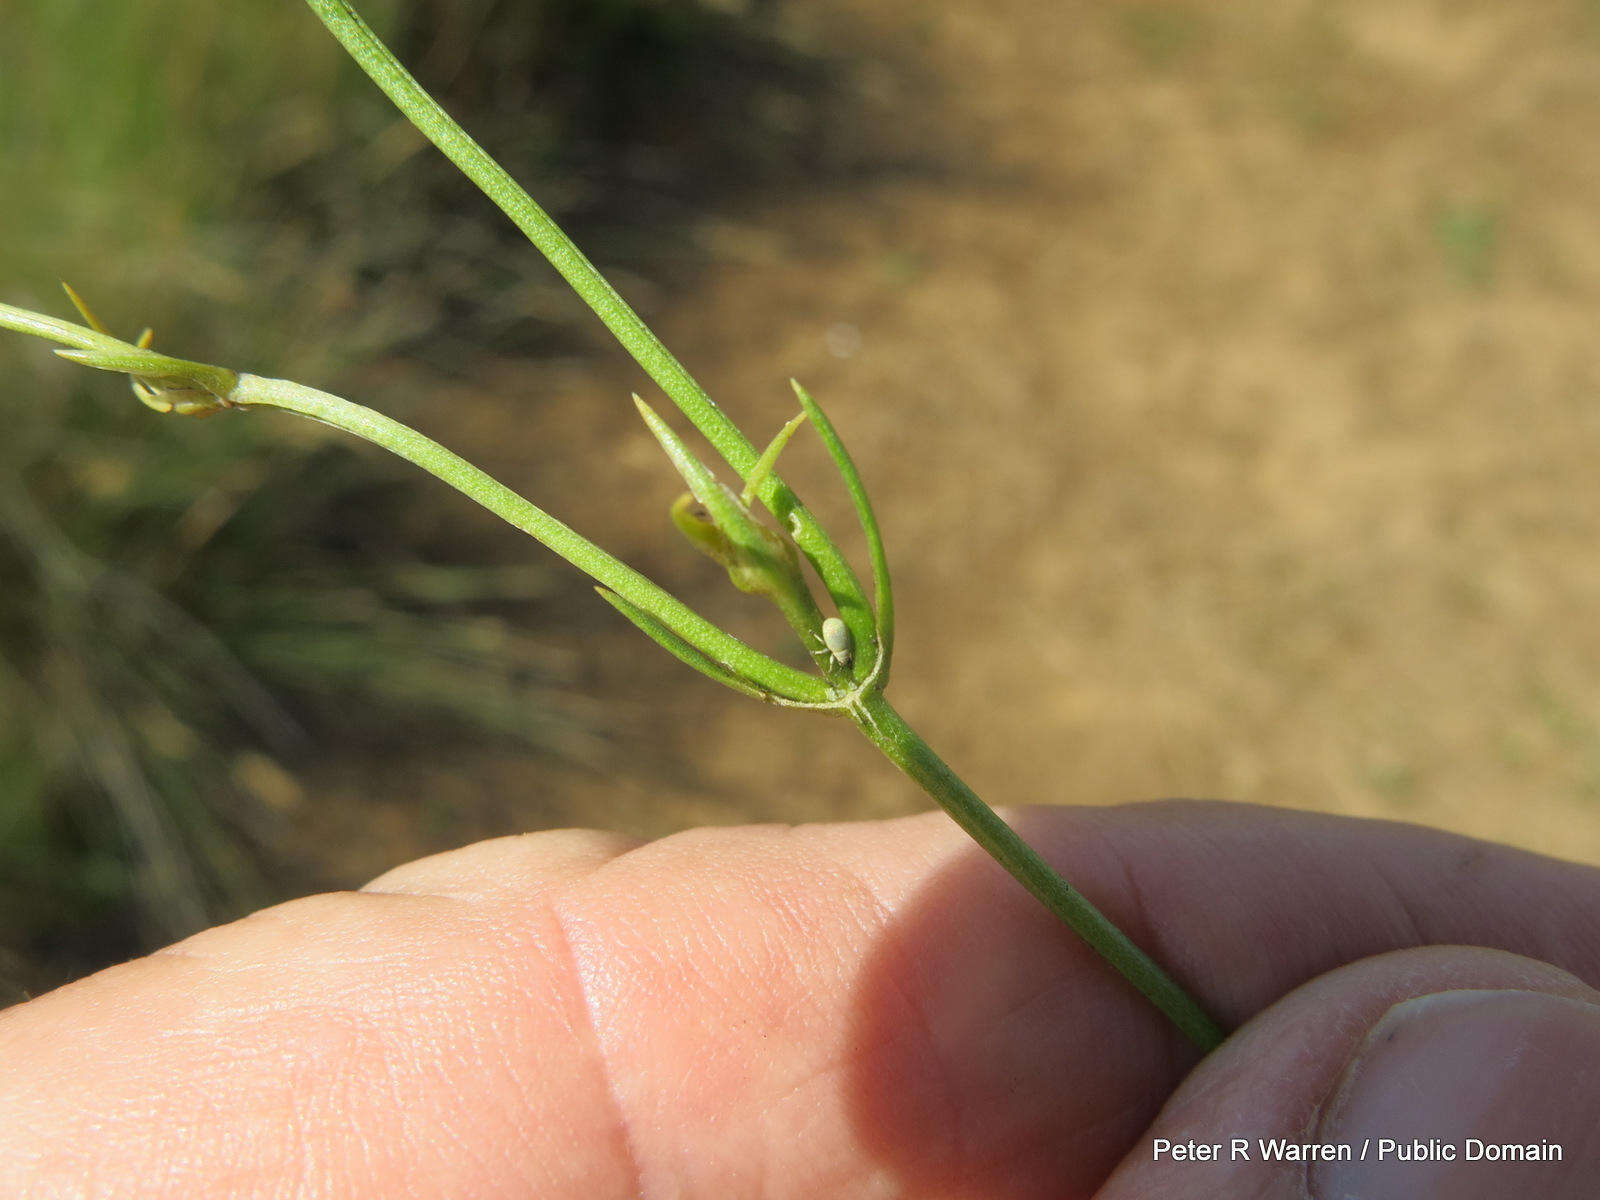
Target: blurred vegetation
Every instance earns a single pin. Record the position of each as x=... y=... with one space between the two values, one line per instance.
x=187 y=609
x=1469 y=235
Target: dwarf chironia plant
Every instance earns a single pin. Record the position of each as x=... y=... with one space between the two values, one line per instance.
x=850 y=651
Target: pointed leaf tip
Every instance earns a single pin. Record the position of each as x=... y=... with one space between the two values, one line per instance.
x=882 y=613
x=84 y=311
x=768 y=461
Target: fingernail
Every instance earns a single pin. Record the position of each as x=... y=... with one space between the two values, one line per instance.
x=1468 y=1095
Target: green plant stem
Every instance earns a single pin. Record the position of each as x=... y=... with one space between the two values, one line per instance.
x=626 y=325
x=177 y=385
x=906 y=749
x=478 y=485
x=682 y=631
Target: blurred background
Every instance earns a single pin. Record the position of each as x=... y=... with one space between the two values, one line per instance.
x=1224 y=376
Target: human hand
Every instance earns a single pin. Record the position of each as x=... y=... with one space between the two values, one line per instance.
x=852 y=1010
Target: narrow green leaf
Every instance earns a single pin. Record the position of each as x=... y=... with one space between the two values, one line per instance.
x=93 y=348
x=745 y=538
x=883 y=590
x=54 y=329
x=83 y=309
x=197 y=387
x=636 y=337
x=717 y=644
x=695 y=473
x=757 y=559
x=680 y=649
x=768 y=459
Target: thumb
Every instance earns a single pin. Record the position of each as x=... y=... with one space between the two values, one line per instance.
x=1451 y=1071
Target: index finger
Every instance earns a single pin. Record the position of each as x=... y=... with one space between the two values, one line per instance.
x=870 y=1009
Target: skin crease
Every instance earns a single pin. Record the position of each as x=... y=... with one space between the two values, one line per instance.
x=863 y=1010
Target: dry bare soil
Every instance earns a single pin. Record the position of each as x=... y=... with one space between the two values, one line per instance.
x=1227 y=379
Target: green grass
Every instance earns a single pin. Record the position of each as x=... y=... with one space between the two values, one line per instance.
x=186 y=609
x=1469 y=233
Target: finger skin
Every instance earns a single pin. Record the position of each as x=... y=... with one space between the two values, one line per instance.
x=1271 y=1079
x=344 y=1045
x=863 y=1010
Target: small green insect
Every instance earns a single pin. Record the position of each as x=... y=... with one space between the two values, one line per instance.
x=836 y=636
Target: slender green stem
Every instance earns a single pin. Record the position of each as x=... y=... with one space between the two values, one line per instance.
x=253 y=390
x=906 y=749
x=177 y=385
x=659 y=363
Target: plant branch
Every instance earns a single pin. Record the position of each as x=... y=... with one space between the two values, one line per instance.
x=851 y=688
x=906 y=749
x=626 y=325
x=721 y=647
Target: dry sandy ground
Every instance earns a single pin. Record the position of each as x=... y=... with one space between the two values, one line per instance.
x=1226 y=380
